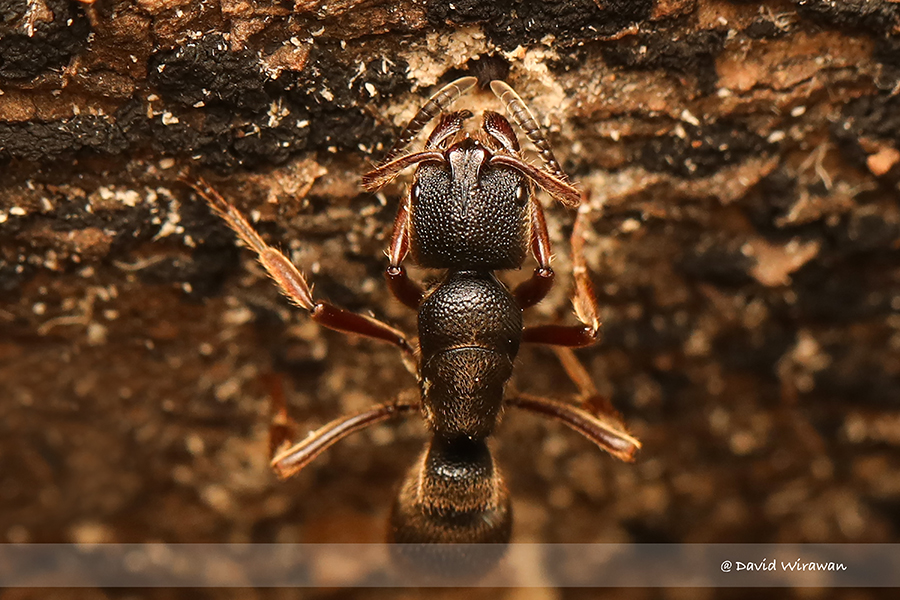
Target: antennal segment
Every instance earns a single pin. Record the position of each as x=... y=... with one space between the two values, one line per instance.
x=437 y=104
x=518 y=111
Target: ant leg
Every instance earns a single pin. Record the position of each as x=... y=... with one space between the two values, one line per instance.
x=520 y=113
x=500 y=132
x=534 y=290
x=585 y=302
x=283 y=428
x=594 y=417
x=588 y=395
x=391 y=167
x=402 y=287
x=289 y=461
x=605 y=432
x=449 y=125
x=386 y=172
x=294 y=286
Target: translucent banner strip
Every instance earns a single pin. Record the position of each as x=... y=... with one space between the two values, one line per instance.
x=462 y=565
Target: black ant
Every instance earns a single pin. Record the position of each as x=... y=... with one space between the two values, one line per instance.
x=470 y=211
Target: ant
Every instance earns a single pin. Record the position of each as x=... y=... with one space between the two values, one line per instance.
x=470 y=211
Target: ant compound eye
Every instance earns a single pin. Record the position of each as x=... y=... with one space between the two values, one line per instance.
x=520 y=192
x=414 y=191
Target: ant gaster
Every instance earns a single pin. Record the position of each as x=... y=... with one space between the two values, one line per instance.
x=470 y=211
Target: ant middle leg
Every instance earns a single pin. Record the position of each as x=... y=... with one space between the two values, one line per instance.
x=293 y=284
x=584 y=301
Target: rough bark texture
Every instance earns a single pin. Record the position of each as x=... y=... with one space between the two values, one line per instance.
x=742 y=162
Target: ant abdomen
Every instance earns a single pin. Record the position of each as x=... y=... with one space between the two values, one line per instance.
x=453 y=494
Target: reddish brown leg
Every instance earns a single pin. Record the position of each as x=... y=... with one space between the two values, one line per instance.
x=388 y=169
x=402 y=287
x=607 y=433
x=585 y=302
x=520 y=113
x=283 y=428
x=449 y=125
x=501 y=132
x=289 y=461
x=294 y=285
x=535 y=289
x=595 y=418
x=385 y=173
x=396 y=161
x=588 y=395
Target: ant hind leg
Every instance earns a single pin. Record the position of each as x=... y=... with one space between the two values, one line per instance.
x=290 y=460
x=282 y=429
x=600 y=428
x=594 y=416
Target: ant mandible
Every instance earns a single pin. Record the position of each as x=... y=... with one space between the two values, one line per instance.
x=470 y=211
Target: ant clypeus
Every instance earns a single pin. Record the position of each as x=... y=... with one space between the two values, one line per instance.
x=470 y=211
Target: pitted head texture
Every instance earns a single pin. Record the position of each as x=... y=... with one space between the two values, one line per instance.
x=469 y=223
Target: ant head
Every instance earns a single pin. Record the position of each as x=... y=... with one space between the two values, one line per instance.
x=469 y=214
x=453 y=494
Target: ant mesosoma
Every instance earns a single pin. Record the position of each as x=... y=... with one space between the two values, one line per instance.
x=470 y=211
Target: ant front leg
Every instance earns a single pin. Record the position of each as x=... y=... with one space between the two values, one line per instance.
x=295 y=287
x=402 y=287
x=438 y=103
x=534 y=290
x=398 y=159
x=585 y=302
